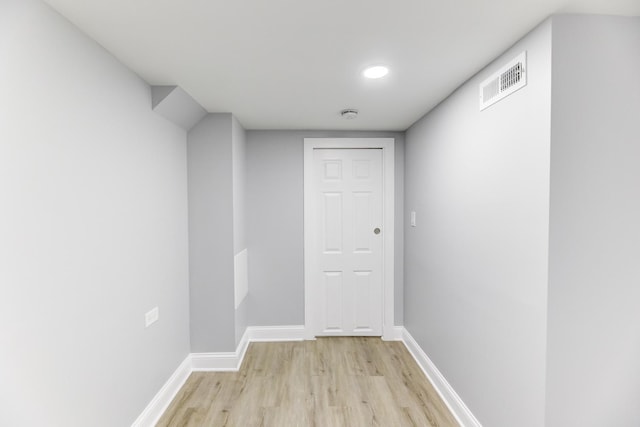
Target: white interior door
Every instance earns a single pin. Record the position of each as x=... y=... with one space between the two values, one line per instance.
x=348 y=213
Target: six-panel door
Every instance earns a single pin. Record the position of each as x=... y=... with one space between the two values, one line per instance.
x=348 y=221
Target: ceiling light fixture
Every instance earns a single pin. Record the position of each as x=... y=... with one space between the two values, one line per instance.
x=376 y=72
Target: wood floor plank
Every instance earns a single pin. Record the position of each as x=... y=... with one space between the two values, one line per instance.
x=351 y=381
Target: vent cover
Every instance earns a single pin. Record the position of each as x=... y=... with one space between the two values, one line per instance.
x=504 y=82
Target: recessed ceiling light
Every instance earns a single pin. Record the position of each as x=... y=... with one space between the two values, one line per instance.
x=376 y=72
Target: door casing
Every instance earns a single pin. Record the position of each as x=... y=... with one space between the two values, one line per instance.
x=388 y=223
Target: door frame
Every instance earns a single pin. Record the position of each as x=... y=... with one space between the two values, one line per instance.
x=311 y=317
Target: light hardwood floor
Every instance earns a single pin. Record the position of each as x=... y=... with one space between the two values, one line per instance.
x=350 y=381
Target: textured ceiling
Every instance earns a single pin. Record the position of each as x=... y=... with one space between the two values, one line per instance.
x=294 y=64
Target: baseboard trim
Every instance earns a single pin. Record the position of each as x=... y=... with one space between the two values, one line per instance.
x=202 y=362
x=194 y=362
x=276 y=333
x=160 y=402
x=222 y=361
x=393 y=334
x=455 y=404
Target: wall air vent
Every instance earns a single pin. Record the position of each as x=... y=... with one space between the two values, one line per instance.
x=504 y=82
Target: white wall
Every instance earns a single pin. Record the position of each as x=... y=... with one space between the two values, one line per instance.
x=594 y=270
x=476 y=264
x=93 y=230
x=275 y=223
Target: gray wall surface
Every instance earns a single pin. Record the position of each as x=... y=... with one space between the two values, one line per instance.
x=239 y=150
x=275 y=223
x=476 y=264
x=211 y=234
x=93 y=230
x=239 y=154
x=241 y=320
x=594 y=270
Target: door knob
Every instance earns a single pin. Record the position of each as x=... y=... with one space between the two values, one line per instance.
x=376 y=230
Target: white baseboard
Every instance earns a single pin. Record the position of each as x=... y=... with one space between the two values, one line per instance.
x=163 y=398
x=222 y=361
x=194 y=362
x=276 y=333
x=215 y=362
x=393 y=334
x=455 y=404
x=202 y=362
x=231 y=361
